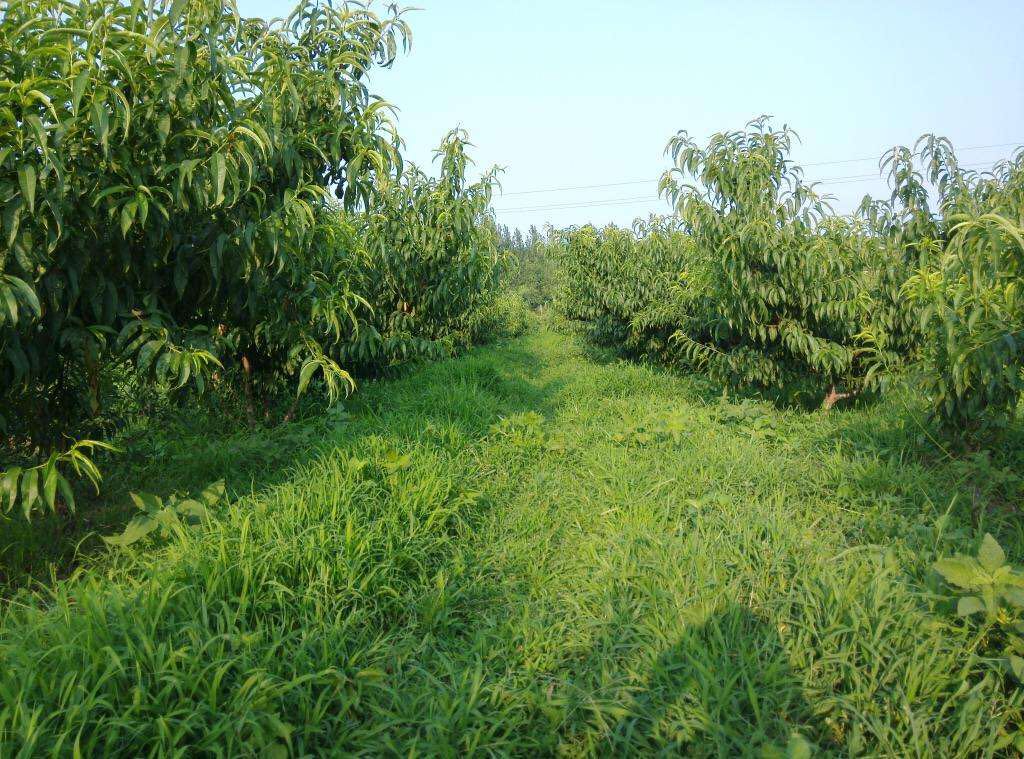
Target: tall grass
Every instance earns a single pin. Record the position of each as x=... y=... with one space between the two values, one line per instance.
x=538 y=550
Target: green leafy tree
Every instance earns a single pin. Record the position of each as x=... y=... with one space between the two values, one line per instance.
x=789 y=286
x=429 y=264
x=968 y=254
x=162 y=172
x=628 y=284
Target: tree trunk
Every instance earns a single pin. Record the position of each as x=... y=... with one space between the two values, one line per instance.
x=250 y=407
x=833 y=398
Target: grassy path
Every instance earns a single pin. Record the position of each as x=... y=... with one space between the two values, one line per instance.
x=532 y=550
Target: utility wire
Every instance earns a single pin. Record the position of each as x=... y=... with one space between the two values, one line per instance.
x=582 y=204
x=862 y=177
x=648 y=181
x=852 y=179
x=958 y=150
x=645 y=201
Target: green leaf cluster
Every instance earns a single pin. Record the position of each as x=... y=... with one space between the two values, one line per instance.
x=190 y=198
x=430 y=264
x=167 y=518
x=791 y=288
x=991 y=587
x=754 y=281
x=967 y=248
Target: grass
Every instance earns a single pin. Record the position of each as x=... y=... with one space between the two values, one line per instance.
x=534 y=550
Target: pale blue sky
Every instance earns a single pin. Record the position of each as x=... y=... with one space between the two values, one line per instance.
x=587 y=92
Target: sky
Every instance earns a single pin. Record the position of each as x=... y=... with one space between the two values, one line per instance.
x=577 y=93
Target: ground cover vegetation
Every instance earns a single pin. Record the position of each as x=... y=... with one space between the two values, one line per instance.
x=541 y=549
x=631 y=524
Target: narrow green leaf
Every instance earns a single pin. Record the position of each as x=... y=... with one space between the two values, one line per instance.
x=50 y=476
x=27 y=181
x=66 y=492
x=305 y=374
x=138 y=528
x=219 y=175
x=9 y=487
x=29 y=491
x=78 y=89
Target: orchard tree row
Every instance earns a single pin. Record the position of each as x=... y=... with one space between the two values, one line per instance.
x=195 y=202
x=757 y=281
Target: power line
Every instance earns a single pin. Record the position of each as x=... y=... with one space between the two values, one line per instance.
x=862 y=177
x=645 y=201
x=649 y=181
x=851 y=179
x=959 y=150
x=580 y=187
x=582 y=204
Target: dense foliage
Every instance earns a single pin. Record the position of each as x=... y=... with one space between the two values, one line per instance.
x=761 y=285
x=532 y=271
x=163 y=175
x=791 y=286
x=628 y=284
x=430 y=265
x=166 y=183
x=755 y=282
x=968 y=252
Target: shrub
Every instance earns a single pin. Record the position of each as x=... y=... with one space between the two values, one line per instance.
x=167 y=219
x=790 y=285
x=533 y=270
x=162 y=171
x=969 y=261
x=756 y=282
x=626 y=283
x=506 y=315
x=429 y=262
